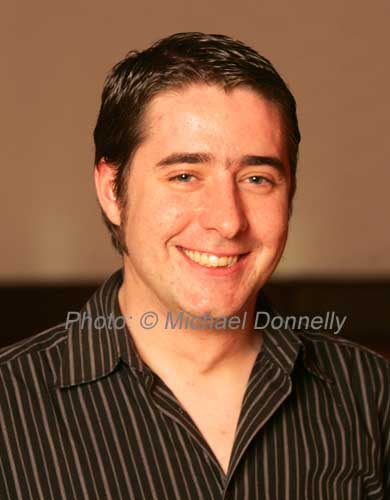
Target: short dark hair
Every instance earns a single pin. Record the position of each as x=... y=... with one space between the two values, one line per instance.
x=171 y=63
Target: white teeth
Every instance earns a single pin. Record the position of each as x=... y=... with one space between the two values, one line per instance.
x=210 y=260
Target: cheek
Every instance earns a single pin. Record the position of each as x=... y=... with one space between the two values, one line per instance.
x=270 y=223
x=155 y=218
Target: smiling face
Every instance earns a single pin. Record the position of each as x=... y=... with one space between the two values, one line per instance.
x=208 y=199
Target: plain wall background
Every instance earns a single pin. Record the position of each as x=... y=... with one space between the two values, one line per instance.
x=55 y=57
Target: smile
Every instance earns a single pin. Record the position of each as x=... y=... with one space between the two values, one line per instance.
x=209 y=259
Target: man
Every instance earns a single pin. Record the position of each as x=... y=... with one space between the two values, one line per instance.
x=162 y=387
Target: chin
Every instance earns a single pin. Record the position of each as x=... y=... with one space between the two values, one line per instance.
x=214 y=310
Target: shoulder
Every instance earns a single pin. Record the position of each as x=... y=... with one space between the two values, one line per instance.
x=39 y=344
x=328 y=347
x=355 y=369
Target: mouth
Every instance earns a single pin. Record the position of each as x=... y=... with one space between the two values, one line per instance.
x=212 y=260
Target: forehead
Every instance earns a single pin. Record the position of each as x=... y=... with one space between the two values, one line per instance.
x=202 y=112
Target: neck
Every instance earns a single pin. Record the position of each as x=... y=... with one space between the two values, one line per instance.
x=198 y=346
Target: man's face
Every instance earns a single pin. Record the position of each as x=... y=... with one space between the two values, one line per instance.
x=207 y=208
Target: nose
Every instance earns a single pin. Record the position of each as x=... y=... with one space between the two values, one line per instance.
x=223 y=210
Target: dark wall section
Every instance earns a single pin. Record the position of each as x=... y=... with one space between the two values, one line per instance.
x=365 y=303
x=29 y=309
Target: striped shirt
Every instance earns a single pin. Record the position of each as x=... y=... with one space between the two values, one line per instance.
x=83 y=417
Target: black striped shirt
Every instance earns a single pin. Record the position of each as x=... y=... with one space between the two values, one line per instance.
x=82 y=417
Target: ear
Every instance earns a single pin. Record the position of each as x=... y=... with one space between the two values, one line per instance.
x=104 y=184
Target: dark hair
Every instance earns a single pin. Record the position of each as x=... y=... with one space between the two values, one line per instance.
x=175 y=62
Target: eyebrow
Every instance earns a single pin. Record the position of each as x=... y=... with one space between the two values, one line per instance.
x=245 y=161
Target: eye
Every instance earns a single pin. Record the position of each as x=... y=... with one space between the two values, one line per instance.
x=259 y=179
x=184 y=177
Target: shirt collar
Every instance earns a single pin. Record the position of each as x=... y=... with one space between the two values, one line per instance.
x=286 y=348
x=98 y=340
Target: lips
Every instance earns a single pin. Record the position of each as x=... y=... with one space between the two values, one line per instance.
x=210 y=259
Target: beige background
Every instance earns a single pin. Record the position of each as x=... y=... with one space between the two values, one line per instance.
x=55 y=55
